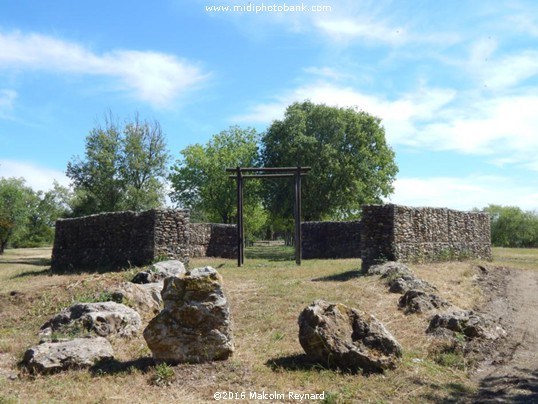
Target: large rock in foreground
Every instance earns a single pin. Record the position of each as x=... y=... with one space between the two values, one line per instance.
x=338 y=336
x=51 y=357
x=106 y=318
x=195 y=324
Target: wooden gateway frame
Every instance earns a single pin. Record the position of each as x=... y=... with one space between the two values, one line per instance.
x=267 y=172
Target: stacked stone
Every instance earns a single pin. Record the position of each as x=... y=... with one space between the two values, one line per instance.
x=213 y=240
x=377 y=236
x=104 y=240
x=331 y=240
x=172 y=234
x=407 y=234
x=122 y=239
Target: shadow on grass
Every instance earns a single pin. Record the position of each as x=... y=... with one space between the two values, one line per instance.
x=341 y=277
x=293 y=362
x=114 y=367
x=42 y=272
x=40 y=262
x=496 y=389
x=270 y=253
x=510 y=389
x=301 y=362
x=457 y=394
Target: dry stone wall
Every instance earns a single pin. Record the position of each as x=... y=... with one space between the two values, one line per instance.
x=213 y=240
x=401 y=233
x=121 y=239
x=331 y=239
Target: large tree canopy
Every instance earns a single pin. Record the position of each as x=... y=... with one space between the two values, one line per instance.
x=347 y=150
x=123 y=169
x=200 y=182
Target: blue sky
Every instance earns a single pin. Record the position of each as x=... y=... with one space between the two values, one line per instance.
x=454 y=82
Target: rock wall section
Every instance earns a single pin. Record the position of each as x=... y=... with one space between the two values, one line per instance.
x=104 y=241
x=213 y=240
x=122 y=239
x=331 y=239
x=401 y=233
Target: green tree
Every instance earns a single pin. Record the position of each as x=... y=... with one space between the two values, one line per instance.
x=347 y=150
x=27 y=217
x=44 y=209
x=513 y=227
x=199 y=180
x=124 y=168
x=15 y=205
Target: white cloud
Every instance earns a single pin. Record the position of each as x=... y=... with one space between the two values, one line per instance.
x=7 y=97
x=153 y=77
x=464 y=193
x=327 y=72
x=525 y=23
x=37 y=177
x=503 y=127
x=341 y=29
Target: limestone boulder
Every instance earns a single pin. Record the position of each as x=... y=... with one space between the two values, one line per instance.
x=51 y=357
x=418 y=301
x=338 y=336
x=406 y=283
x=195 y=324
x=160 y=271
x=465 y=322
x=389 y=268
x=144 y=298
x=105 y=318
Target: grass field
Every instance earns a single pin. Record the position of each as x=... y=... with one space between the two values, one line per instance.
x=266 y=296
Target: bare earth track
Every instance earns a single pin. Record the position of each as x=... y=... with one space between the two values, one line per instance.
x=510 y=374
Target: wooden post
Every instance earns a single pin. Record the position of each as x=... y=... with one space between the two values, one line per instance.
x=268 y=172
x=240 y=258
x=297 y=214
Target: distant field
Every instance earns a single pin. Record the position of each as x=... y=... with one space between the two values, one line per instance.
x=266 y=296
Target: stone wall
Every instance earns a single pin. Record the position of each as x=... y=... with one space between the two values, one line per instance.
x=103 y=241
x=331 y=239
x=401 y=233
x=213 y=240
x=123 y=239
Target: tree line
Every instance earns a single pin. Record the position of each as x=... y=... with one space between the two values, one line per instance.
x=127 y=166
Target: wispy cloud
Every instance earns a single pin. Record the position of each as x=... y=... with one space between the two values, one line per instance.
x=156 y=78
x=37 y=177
x=345 y=28
x=327 y=72
x=7 y=97
x=502 y=127
x=498 y=71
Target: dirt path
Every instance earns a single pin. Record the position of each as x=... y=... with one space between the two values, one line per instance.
x=510 y=375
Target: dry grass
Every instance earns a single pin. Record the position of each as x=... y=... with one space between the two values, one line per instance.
x=266 y=297
x=522 y=258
